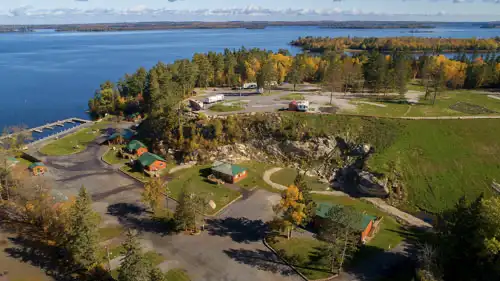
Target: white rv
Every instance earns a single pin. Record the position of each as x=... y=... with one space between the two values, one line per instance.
x=216 y=98
x=303 y=105
x=250 y=86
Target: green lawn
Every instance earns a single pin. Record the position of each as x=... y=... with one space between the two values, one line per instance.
x=304 y=253
x=450 y=103
x=177 y=275
x=293 y=96
x=195 y=180
x=255 y=172
x=286 y=177
x=135 y=173
x=107 y=233
x=111 y=157
x=228 y=107
x=75 y=142
x=443 y=160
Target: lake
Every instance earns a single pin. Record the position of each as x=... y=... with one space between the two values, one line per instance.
x=48 y=76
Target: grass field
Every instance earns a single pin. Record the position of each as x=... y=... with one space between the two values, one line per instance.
x=286 y=177
x=75 y=142
x=228 y=107
x=443 y=160
x=448 y=104
x=135 y=173
x=293 y=97
x=255 y=172
x=195 y=180
x=111 y=157
x=177 y=275
x=107 y=233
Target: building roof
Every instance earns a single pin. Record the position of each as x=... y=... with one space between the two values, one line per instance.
x=11 y=161
x=323 y=209
x=227 y=168
x=36 y=164
x=149 y=158
x=134 y=145
x=126 y=134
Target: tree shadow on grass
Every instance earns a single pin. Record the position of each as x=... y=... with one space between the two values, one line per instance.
x=241 y=230
x=260 y=259
x=136 y=217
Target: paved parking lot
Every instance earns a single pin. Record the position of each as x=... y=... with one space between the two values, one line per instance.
x=230 y=249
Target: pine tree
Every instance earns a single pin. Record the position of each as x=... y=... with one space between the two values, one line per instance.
x=185 y=212
x=402 y=69
x=156 y=275
x=153 y=194
x=296 y=74
x=341 y=234
x=83 y=235
x=134 y=266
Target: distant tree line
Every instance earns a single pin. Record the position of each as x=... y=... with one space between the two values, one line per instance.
x=389 y=44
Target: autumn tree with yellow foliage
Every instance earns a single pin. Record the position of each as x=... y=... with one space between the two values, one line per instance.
x=290 y=210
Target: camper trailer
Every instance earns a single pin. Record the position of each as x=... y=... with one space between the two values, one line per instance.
x=216 y=98
x=196 y=105
x=247 y=86
x=299 y=106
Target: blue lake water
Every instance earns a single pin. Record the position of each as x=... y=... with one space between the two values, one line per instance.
x=49 y=76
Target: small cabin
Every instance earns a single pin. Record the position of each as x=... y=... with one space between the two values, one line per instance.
x=152 y=162
x=38 y=168
x=136 y=148
x=228 y=172
x=366 y=225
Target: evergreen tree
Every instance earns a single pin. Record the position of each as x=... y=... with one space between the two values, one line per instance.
x=154 y=194
x=156 y=275
x=83 y=231
x=332 y=79
x=267 y=75
x=438 y=82
x=134 y=266
x=341 y=233
x=296 y=74
x=185 y=211
x=402 y=69
x=152 y=95
x=307 y=200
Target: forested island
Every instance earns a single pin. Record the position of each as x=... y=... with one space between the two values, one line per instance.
x=389 y=44
x=137 y=26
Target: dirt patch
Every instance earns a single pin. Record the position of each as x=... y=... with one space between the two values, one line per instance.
x=414 y=96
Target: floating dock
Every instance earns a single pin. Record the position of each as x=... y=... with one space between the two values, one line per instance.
x=50 y=126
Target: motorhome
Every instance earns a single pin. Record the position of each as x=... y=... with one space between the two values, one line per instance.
x=250 y=86
x=212 y=99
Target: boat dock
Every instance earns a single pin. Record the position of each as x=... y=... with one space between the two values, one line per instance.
x=51 y=126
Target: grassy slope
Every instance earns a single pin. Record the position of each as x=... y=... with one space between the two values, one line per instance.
x=444 y=160
x=67 y=144
x=194 y=179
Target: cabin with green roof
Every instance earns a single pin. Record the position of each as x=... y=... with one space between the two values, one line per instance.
x=228 y=172
x=151 y=162
x=136 y=148
x=365 y=225
x=38 y=168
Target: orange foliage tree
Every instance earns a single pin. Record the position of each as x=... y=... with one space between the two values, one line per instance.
x=290 y=209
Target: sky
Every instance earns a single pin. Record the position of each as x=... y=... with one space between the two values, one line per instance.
x=88 y=11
